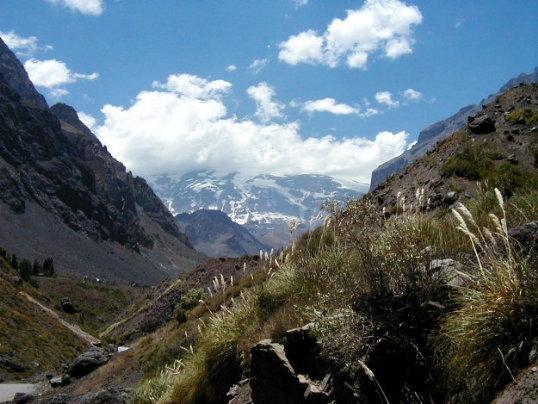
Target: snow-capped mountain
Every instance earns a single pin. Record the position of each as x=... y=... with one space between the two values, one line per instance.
x=263 y=204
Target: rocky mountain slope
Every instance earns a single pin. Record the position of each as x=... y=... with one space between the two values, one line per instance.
x=498 y=145
x=439 y=131
x=213 y=233
x=63 y=195
x=265 y=204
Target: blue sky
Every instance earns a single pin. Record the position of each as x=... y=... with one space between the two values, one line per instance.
x=268 y=86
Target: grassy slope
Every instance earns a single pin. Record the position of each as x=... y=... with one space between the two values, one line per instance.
x=27 y=335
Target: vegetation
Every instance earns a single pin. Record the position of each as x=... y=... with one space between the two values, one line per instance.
x=370 y=286
x=525 y=116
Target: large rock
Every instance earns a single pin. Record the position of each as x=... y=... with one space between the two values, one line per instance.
x=275 y=381
x=88 y=362
x=526 y=235
x=481 y=124
x=67 y=306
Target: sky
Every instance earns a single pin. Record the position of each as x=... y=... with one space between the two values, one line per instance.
x=268 y=86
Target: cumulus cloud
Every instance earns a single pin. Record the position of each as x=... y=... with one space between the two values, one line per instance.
x=53 y=73
x=194 y=87
x=385 y=98
x=266 y=108
x=257 y=65
x=300 y=3
x=369 y=112
x=231 y=68
x=378 y=27
x=329 y=105
x=412 y=95
x=87 y=7
x=165 y=131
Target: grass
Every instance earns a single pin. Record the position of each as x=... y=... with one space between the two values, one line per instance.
x=525 y=116
x=367 y=284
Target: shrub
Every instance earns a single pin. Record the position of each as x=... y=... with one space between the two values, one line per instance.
x=472 y=163
x=488 y=337
x=187 y=302
x=526 y=116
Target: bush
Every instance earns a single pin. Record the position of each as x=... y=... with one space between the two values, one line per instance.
x=472 y=163
x=187 y=302
x=526 y=116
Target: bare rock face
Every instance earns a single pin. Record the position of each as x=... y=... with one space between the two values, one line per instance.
x=481 y=124
x=63 y=195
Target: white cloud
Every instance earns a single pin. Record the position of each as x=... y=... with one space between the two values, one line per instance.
x=17 y=43
x=306 y=47
x=300 y=3
x=378 y=27
x=53 y=74
x=231 y=68
x=385 y=98
x=87 y=7
x=329 y=105
x=88 y=120
x=58 y=92
x=257 y=65
x=369 y=112
x=167 y=132
x=412 y=95
x=194 y=87
x=266 y=108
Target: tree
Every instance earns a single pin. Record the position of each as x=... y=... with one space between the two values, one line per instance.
x=14 y=262
x=48 y=267
x=37 y=268
x=25 y=270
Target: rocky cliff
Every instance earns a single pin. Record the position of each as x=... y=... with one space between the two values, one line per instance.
x=63 y=195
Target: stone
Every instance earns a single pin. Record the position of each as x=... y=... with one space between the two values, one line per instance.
x=23 y=398
x=14 y=366
x=448 y=270
x=240 y=393
x=526 y=235
x=67 y=306
x=60 y=381
x=88 y=362
x=274 y=380
x=481 y=124
x=513 y=159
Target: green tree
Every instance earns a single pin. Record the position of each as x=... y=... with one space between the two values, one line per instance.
x=25 y=270
x=14 y=262
x=37 y=268
x=48 y=267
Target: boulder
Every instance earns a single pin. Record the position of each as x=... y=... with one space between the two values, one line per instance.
x=302 y=350
x=448 y=270
x=274 y=380
x=240 y=393
x=67 y=306
x=88 y=362
x=481 y=124
x=60 y=381
x=23 y=398
x=526 y=235
x=12 y=365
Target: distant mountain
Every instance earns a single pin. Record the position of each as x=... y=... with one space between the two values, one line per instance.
x=439 y=131
x=263 y=204
x=213 y=233
x=63 y=195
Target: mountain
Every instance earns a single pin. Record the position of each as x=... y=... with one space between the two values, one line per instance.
x=63 y=195
x=213 y=233
x=439 y=131
x=497 y=146
x=264 y=204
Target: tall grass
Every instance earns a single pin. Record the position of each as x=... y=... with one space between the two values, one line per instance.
x=487 y=339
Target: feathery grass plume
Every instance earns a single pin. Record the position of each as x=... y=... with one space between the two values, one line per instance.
x=489 y=336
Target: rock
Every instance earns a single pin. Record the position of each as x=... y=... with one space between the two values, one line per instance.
x=302 y=350
x=105 y=396
x=60 y=381
x=274 y=380
x=512 y=159
x=447 y=269
x=67 y=306
x=526 y=235
x=88 y=362
x=524 y=390
x=10 y=364
x=450 y=198
x=23 y=398
x=240 y=393
x=15 y=280
x=481 y=124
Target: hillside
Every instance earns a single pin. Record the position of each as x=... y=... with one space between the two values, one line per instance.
x=439 y=131
x=63 y=195
x=31 y=341
x=498 y=145
x=213 y=233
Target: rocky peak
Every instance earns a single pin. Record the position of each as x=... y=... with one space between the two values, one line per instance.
x=16 y=77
